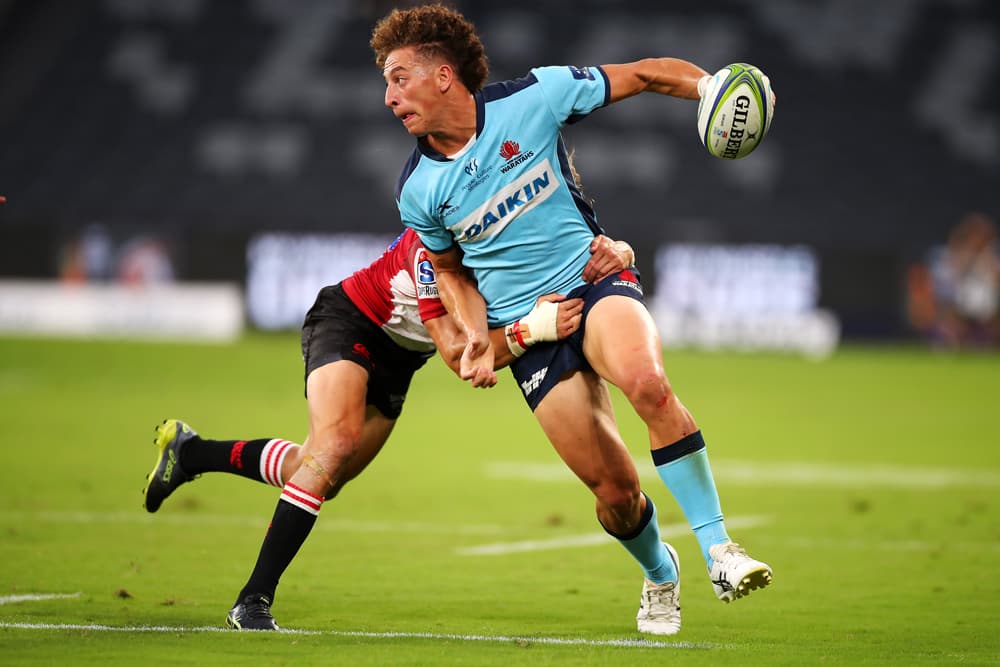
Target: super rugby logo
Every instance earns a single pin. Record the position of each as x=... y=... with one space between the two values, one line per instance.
x=425 y=272
x=511 y=151
x=426 y=278
x=493 y=216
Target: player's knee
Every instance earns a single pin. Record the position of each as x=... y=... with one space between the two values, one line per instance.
x=330 y=458
x=334 y=456
x=620 y=497
x=648 y=391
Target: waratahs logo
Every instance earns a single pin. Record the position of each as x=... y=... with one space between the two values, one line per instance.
x=509 y=149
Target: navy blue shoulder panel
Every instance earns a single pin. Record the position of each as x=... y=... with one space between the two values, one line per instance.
x=498 y=91
x=408 y=168
x=501 y=89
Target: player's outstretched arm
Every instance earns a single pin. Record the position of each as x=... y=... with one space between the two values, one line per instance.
x=554 y=317
x=666 y=76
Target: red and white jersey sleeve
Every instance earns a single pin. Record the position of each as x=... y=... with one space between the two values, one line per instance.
x=398 y=292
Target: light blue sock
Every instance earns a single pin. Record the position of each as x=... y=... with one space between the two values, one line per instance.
x=646 y=546
x=684 y=468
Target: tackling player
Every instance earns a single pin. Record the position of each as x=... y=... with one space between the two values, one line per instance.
x=489 y=186
x=362 y=341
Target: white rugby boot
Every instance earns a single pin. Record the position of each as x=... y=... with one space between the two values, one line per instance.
x=734 y=574
x=660 y=604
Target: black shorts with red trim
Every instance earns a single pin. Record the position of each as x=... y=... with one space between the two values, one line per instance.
x=543 y=365
x=335 y=329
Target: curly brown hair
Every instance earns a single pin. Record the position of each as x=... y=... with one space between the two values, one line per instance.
x=438 y=32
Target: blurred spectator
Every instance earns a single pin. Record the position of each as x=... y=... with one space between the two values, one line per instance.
x=143 y=261
x=87 y=257
x=93 y=257
x=954 y=298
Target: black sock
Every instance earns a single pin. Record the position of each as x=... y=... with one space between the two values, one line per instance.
x=287 y=532
x=239 y=457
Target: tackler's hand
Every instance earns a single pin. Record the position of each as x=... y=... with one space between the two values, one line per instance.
x=607 y=257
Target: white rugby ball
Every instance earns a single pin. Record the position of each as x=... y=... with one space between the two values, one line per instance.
x=735 y=111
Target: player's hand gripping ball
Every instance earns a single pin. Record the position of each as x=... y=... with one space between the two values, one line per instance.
x=735 y=110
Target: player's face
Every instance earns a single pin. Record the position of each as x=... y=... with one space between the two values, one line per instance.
x=411 y=90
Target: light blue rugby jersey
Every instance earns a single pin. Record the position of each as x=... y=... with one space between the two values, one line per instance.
x=509 y=199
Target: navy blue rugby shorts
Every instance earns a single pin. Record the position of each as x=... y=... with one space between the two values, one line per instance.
x=336 y=329
x=541 y=367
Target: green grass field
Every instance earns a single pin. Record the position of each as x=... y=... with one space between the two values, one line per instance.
x=868 y=481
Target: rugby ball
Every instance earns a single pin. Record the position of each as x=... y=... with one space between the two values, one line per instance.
x=735 y=111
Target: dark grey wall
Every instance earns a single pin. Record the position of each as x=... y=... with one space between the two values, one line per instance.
x=206 y=121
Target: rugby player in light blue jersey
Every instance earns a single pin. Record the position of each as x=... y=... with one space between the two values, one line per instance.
x=490 y=189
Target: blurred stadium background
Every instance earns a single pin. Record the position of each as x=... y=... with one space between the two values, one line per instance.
x=192 y=169
x=237 y=156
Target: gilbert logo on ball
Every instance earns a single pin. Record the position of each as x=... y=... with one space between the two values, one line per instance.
x=735 y=111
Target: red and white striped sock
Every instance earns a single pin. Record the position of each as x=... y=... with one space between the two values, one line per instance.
x=271 y=458
x=301 y=498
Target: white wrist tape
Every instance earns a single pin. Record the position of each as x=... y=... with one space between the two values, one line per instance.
x=538 y=325
x=703 y=84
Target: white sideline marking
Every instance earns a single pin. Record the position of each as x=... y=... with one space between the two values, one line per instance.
x=197 y=519
x=590 y=539
x=31 y=597
x=789 y=473
x=557 y=641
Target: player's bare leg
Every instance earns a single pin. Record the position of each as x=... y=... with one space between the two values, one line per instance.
x=623 y=346
x=344 y=437
x=578 y=419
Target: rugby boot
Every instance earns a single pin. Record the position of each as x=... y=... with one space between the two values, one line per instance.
x=660 y=604
x=734 y=574
x=253 y=612
x=167 y=474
